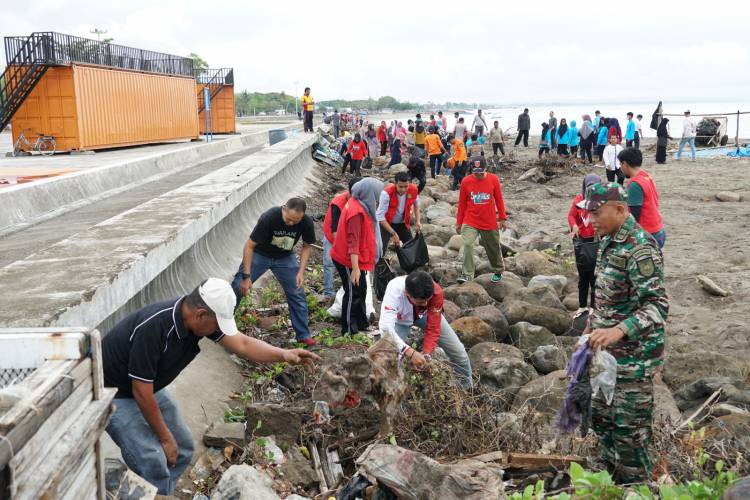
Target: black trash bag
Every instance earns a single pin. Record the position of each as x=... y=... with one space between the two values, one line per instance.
x=354 y=489
x=383 y=275
x=585 y=252
x=413 y=254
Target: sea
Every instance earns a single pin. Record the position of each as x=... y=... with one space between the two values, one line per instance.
x=508 y=115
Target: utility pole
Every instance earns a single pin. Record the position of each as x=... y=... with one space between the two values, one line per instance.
x=296 y=98
x=98 y=32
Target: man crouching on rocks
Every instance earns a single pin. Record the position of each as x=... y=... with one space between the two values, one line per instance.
x=416 y=300
x=146 y=351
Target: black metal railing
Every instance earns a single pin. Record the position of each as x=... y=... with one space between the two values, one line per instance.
x=220 y=76
x=58 y=48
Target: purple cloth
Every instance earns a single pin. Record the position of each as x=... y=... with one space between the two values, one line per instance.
x=577 y=397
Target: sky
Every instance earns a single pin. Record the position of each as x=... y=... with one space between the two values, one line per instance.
x=501 y=52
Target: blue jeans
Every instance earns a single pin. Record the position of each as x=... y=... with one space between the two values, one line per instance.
x=449 y=343
x=660 y=237
x=285 y=270
x=690 y=141
x=140 y=447
x=328 y=268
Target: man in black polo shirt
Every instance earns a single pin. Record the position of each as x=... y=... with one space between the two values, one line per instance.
x=270 y=246
x=146 y=351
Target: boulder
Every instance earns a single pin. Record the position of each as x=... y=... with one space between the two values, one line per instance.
x=681 y=369
x=493 y=317
x=484 y=352
x=446 y=222
x=557 y=282
x=436 y=252
x=451 y=311
x=547 y=358
x=695 y=392
x=444 y=234
x=711 y=287
x=571 y=302
x=242 y=482
x=544 y=394
x=398 y=167
x=472 y=331
x=740 y=490
x=467 y=295
x=533 y=263
x=505 y=287
x=728 y=196
x=555 y=320
x=425 y=201
x=433 y=240
x=528 y=337
x=539 y=295
x=275 y=420
x=666 y=411
x=455 y=243
x=220 y=434
x=446 y=273
x=501 y=368
x=380 y=161
x=450 y=197
x=298 y=470
x=436 y=212
x=537 y=240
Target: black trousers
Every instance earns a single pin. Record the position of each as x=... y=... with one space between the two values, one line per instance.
x=435 y=161
x=629 y=143
x=562 y=149
x=308 y=121
x=420 y=174
x=383 y=147
x=356 y=165
x=600 y=152
x=611 y=174
x=498 y=146
x=525 y=135
x=403 y=232
x=586 y=151
x=573 y=150
x=353 y=310
x=586 y=283
x=637 y=141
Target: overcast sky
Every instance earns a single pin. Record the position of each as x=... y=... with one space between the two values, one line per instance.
x=498 y=52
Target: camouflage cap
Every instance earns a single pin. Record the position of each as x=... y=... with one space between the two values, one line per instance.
x=599 y=194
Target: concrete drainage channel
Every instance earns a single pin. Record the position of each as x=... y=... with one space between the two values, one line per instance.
x=158 y=249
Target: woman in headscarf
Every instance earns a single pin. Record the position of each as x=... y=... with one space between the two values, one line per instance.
x=562 y=138
x=662 y=141
x=586 y=133
x=383 y=137
x=573 y=138
x=614 y=130
x=373 y=144
x=583 y=234
x=355 y=251
x=544 y=140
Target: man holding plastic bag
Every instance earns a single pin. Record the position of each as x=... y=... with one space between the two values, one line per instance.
x=628 y=321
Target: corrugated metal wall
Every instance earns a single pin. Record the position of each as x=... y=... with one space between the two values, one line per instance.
x=122 y=108
x=222 y=108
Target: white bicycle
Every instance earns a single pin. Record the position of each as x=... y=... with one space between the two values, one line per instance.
x=44 y=145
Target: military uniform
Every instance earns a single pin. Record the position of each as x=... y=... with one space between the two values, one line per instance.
x=630 y=295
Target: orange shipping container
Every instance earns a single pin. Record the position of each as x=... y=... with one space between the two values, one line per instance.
x=222 y=111
x=86 y=108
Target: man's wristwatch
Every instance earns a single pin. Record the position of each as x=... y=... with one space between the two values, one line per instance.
x=245 y=276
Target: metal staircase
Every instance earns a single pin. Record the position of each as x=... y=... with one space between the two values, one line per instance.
x=23 y=72
x=215 y=80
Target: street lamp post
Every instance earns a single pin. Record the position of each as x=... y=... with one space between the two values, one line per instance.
x=98 y=32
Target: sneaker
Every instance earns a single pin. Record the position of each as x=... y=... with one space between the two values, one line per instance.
x=461 y=280
x=309 y=341
x=497 y=277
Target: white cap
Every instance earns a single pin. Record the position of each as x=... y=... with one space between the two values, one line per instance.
x=220 y=298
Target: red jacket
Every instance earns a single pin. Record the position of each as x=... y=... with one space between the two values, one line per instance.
x=579 y=217
x=358 y=150
x=366 y=241
x=434 y=311
x=382 y=134
x=614 y=131
x=411 y=196
x=480 y=202
x=650 y=219
x=338 y=201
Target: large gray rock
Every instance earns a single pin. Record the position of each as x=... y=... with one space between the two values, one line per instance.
x=739 y=490
x=398 y=167
x=436 y=253
x=433 y=240
x=242 y=482
x=467 y=295
x=537 y=240
x=275 y=420
x=681 y=369
x=544 y=394
x=528 y=337
x=554 y=320
x=501 y=368
x=541 y=295
x=666 y=412
x=503 y=288
x=437 y=211
x=298 y=470
x=533 y=263
x=455 y=243
x=483 y=353
x=571 y=302
x=472 y=331
x=425 y=201
x=556 y=282
x=693 y=393
x=450 y=197
x=220 y=434
x=446 y=222
x=493 y=317
x=547 y=359
x=446 y=273
x=442 y=233
x=451 y=311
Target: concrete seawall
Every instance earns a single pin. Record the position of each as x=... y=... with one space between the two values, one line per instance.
x=158 y=249
x=26 y=204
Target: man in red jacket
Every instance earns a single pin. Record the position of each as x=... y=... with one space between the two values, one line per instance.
x=480 y=205
x=643 y=199
x=330 y=225
x=394 y=210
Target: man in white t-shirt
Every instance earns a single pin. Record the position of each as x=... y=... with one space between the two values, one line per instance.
x=611 y=162
x=689 y=131
x=479 y=126
x=416 y=300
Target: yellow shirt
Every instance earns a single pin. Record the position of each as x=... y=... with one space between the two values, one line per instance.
x=419 y=138
x=307 y=103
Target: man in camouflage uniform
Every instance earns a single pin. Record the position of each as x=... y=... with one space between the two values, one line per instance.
x=628 y=320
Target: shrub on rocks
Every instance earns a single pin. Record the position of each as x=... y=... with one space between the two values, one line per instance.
x=472 y=331
x=493 y=317
x=555 y=320
x=539 y=295
x=505 y=287
x=557 y=282
x=528 y=337
x=467 y=295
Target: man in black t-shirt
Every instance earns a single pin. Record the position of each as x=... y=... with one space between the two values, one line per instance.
x=146 y=351
x=270 y=246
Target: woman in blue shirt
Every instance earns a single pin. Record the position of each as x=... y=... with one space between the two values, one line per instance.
x=601 y=140
x=630 y=131
x=563 y=138
x=573 y=137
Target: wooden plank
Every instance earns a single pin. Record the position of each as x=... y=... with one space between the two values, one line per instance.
x=83 y=474
x=83 y=434
x=494 y=456
x=97 y=370
x=313 y=447
x=535 y=460
x=27 y=350
x=44 y=439
x=81 y=372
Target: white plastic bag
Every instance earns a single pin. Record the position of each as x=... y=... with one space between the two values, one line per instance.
x=603 y=371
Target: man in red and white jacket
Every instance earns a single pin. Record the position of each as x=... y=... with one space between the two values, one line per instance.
x=480 y=205
x=394 y=211
x=416 y=300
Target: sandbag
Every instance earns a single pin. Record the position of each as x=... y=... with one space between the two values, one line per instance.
x=413 y=254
